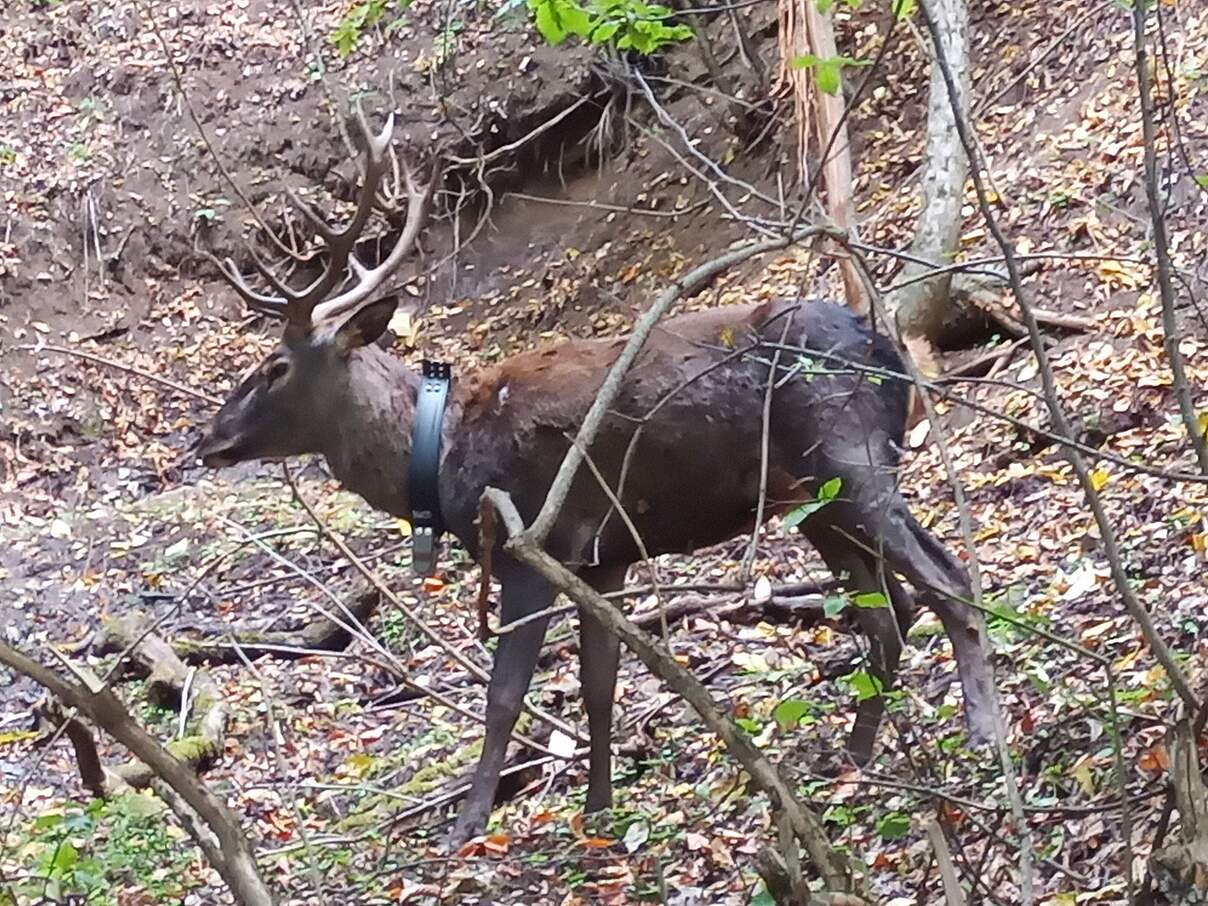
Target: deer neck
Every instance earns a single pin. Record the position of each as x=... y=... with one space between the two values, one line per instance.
x=368 y=445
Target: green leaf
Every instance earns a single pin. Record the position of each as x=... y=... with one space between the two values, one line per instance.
x=805 y=61
x=827 y=75
x=830 y=489
x=825 y=6
x=904 y=9
x=870 y=599
x=548 y=25
x=763 y=896
x=833 y=606
x=66 y=857
x=790 y=712
x=604 y=33
x=575 y=19
x=1201 y=180
x=749 y=725
x=800 y=514
x=893 y=826
x=864 y=685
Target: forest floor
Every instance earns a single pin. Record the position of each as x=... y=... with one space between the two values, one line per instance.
x=118 y=342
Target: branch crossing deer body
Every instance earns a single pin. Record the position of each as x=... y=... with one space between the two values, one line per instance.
x=696 y=397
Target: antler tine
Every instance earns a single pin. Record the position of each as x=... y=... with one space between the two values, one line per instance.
x=300 y=306
x=269 y=305
x=341 y=243
x=368 y=280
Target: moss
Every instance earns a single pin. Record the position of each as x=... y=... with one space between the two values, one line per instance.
x=379 y=807
x=193 y=750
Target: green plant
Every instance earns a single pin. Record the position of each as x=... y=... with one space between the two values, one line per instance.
x=362 y=16
x=827 y=69
x=619 y=24
x=826 y=493
x=94 y=853
x=8 y=155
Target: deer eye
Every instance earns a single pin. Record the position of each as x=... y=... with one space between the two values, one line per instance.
x=276 y=370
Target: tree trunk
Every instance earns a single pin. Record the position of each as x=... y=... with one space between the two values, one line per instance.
x=920 y=309
x=803 y=31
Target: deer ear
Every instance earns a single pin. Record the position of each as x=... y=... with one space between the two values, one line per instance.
x=366 y=324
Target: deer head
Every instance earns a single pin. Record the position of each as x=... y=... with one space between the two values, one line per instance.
x=292 y=401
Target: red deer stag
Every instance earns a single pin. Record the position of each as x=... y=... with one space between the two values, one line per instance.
x=693 y=479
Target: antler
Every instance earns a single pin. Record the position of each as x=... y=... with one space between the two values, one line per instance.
x=306 y=307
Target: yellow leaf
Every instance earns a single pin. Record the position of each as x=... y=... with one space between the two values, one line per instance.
x=1081 y=772
x=1099 y=479
x=7 y=739
x=726 y=337
x=404 y=527
x=1203 y=420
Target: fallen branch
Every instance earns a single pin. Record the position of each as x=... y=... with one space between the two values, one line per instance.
x=321 y=635
x=235 y=861
x=167 y=678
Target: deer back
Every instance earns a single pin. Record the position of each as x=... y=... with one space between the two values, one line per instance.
x=693 y=474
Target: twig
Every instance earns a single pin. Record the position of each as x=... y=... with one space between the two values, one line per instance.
x=451 y=650
x=178 y=79
x=952 y=885
x=1035 y=62
x=129 y=369
x=486 y=547
x=504 y=150
x=748 y=560
x=290 y=777
x=603 y=206
x=1161 y=245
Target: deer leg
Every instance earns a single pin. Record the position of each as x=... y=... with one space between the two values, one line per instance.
x=880 y=624
x=598 y=653
x=524 y=592
x=943 y=585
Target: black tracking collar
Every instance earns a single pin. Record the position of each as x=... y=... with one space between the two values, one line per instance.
x=424 y=487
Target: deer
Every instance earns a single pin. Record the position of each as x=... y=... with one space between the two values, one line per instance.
x=695 y=476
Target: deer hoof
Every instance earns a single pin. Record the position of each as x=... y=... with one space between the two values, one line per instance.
x=463 y=832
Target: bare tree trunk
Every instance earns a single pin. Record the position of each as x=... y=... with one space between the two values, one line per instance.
x=920 y=308
x=805 y=31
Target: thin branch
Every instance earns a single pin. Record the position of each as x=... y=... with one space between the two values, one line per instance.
x=238 y=863
x=835 y=869
x=1161 y=245
x=129 y=369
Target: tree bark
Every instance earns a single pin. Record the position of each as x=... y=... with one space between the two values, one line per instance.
x=803 y=31
x=920 y=309
x=237 y=863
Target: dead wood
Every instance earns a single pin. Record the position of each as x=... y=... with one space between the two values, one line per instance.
x=228 y=848
x=1180 y=870
x=321 y=635
x=168 y=677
